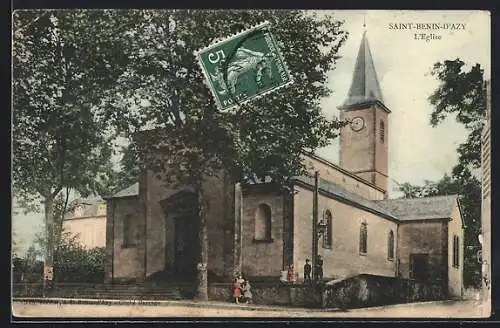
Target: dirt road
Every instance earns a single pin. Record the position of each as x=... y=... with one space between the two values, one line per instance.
x=464 y=309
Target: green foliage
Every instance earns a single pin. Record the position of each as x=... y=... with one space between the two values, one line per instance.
x=61 y=76
x=64 y=64
x=461 y=93
x=73 y=263
x=262 y=138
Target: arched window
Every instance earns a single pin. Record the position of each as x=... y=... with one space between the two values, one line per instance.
x=327 y=235
x=263 y=223
x=382 y=132
x=390 y=246
x=128 y=231
x=363 y=238
x=456 y=254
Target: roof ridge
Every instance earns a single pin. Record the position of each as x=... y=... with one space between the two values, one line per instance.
x=416 y=198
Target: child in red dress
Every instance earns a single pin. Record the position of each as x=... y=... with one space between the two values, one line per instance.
x=237 y=290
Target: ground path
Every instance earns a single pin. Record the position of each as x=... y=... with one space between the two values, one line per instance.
x=172 y=309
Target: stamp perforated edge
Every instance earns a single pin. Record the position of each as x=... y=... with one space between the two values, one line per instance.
x=218 y=42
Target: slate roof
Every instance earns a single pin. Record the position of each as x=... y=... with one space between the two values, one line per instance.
x=405 y=209
x=132 y=190
x=338 y=192
x=365 y=86
x=408 y=209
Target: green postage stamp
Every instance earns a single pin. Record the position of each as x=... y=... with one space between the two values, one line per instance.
x=244 y=67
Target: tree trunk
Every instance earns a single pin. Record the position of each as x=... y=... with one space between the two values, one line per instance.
x=49 y=222
x=202 y=288
x=49 y=236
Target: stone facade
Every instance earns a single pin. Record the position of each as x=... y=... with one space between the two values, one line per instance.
x=124 y=262
x=362 y=152
x=455 y=273
x=262 y=257
x=344 y=257
x=260 y=229
x=157 y=249
x=428 y=239
x=346 y=179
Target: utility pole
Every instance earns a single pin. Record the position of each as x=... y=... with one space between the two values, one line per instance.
x=315 y=228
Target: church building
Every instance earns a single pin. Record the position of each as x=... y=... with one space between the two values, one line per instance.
x=260 y=230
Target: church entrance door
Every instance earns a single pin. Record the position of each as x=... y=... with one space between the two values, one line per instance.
x=186 y=246
x=181 y=211
x=419 y=266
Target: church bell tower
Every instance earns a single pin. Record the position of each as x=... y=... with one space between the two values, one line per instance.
x=364 y=141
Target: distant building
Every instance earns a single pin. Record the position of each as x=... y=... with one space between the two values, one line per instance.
x=87 y=221
x=486 y=199
x=260 y=229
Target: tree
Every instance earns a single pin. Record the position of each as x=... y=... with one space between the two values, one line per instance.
x=461 y=92
x=264 y=138
x=64 y=63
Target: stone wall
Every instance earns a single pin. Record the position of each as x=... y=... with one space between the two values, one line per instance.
x=125 y=262
x=423 y=238
x=354 y=292
x=369 y=290
x=270 y=293
x=343 y=258
x=262 y=258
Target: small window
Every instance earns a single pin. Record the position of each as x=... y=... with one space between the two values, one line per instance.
x=262 y=221
x=128 y=231
x=390 y=246
x=382 y=131
x=327 y=235
x=363 y=236
x=456 y=252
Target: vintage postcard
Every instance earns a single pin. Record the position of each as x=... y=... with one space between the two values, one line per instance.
x=251 y=163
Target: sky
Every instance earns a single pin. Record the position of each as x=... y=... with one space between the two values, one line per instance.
x=417 y=151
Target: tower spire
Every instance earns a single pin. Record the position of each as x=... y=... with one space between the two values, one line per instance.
x=365 y=86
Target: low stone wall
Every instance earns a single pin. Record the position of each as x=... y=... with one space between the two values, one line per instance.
x=270 y=293
x=353 y=292
x=369 y=290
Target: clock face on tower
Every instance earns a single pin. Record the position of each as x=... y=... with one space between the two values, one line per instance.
x=357 y=124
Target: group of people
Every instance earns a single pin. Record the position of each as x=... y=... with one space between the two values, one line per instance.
x=318 y=270
x=241 y=290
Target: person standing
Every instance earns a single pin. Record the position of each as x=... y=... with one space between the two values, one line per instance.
x=290 y=274
x=247 y=293
x=307 y=271
x=237 y=290
x=319 y=269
